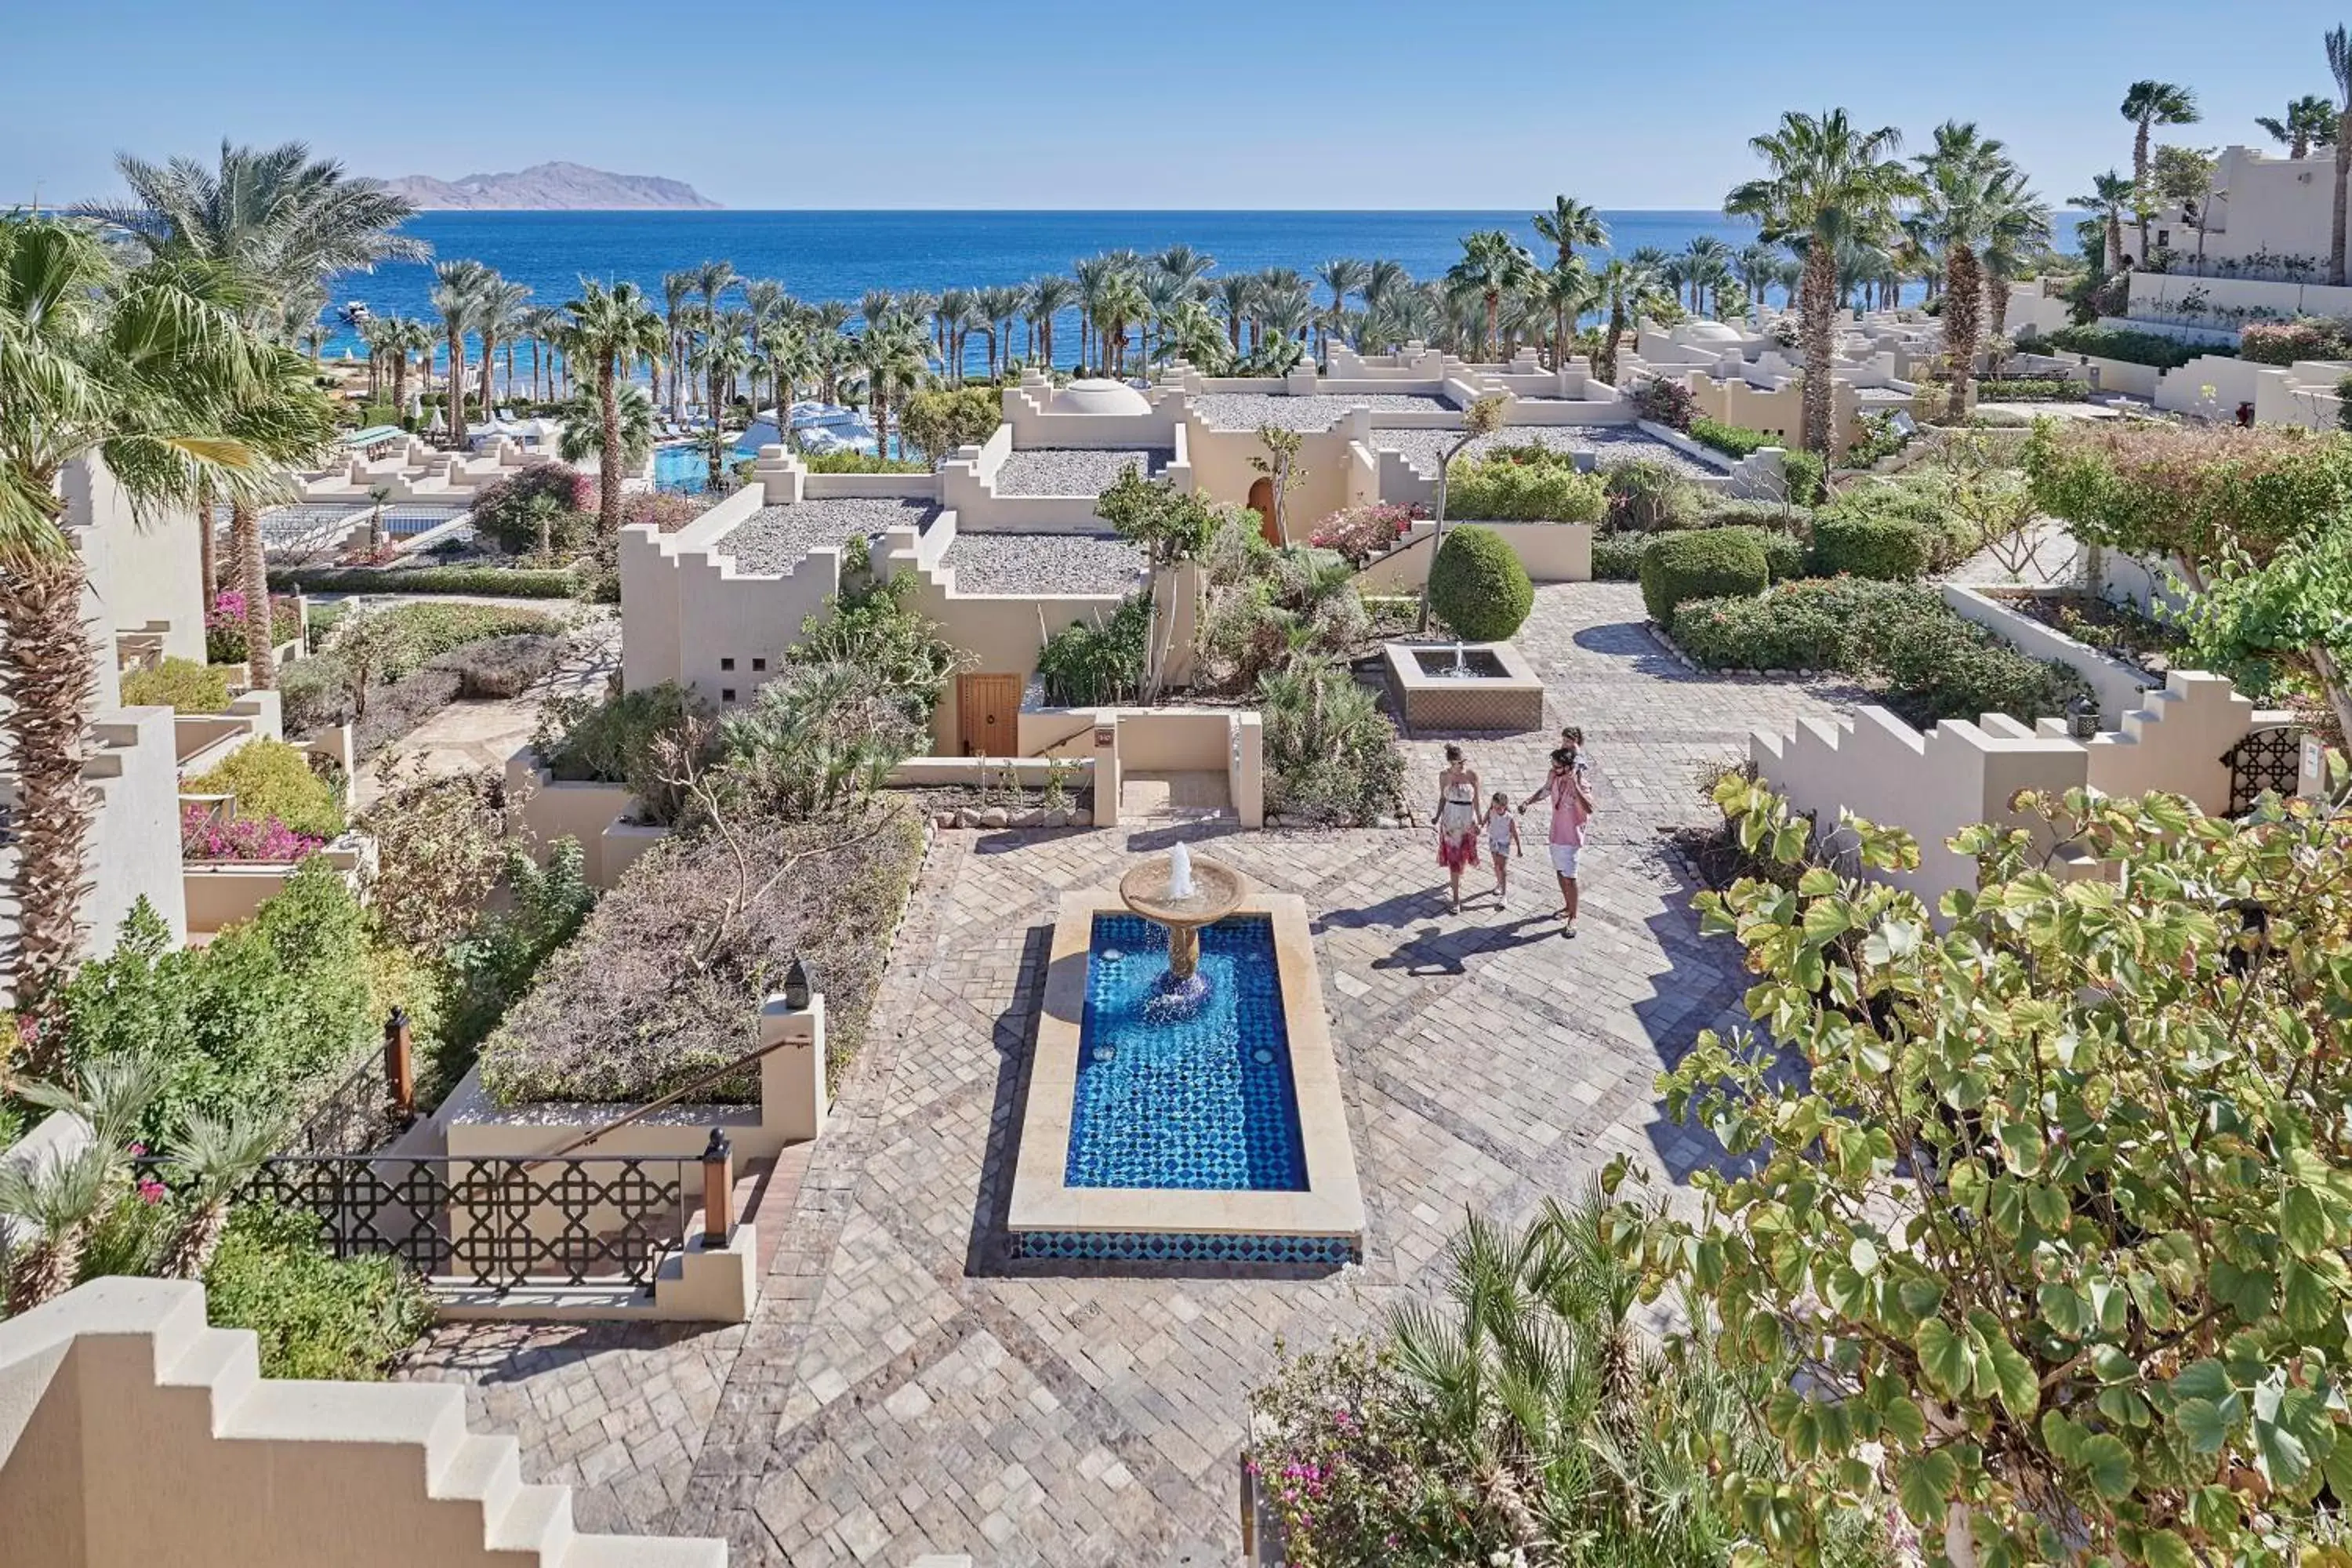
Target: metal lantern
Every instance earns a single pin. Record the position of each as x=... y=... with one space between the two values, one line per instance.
x=796 y=986
x=2083 y=719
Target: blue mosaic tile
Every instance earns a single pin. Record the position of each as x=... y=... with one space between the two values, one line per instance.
x=1202 y=1101
x=1160 y=1246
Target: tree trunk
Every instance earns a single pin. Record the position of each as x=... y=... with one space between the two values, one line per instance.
x=2114 y=239
x=193 y=1242
x=490 y=357
x=1963 y=320
x=47 y=674
x=45 y=1269
x=2336 y=228
x=1818 y=312
x=456 y=395
x=2140 y=192
x=608 y=460
x=253 y=582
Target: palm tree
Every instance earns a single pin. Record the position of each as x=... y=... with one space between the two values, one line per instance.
x=1566 y=291
x=766 y=300
x=1118 y=305
x=285 y=421
x=1094 y=274
x=1383 y=280
x=1976 y=202
x=1048 y=297
x=1343 y=276
x=2310 y=122
x=2111 y=195
x=542 y=325
x=1829 y=180
x=951 y=314
x=875 y=305
x=498 y=305
x=2339 y=65
x=218 y=1158
x=611 y=327
x=999 y=304
x=2147 y=105
x=61 y=1196
x=723 y=356
x=1237 y=293
x=457 y=299
x=891 y=354
x=676 y=289
x=1493 y=264
x=1621 y=284
x=1570 y=223
x=1710 y=268
x=1184 y=264
x=1757 y=266
x=792 y=360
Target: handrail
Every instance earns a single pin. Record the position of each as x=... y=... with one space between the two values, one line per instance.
x=664 y=1103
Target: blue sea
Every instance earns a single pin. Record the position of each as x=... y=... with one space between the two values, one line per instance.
x=840 y=254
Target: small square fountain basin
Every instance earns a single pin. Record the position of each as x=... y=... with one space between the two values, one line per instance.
x=1218 y=1137
x=1490 y=686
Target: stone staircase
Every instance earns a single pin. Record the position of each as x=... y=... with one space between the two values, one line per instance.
x=130 y=1428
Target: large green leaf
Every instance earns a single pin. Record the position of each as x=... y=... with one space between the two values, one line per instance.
x=2202 y=1423
x=2108 y=1466
x=1925 y=1484
x=1945 y=1357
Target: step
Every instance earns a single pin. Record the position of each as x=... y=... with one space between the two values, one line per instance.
x=486 y=1469
x=428 y=1416
x=536 y=1518
x=227 y=1362
x=641 y=1552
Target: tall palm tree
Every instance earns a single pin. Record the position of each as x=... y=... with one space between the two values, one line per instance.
x=676 y=289
x=999 y=304
x=951 y=312
x=612 y=327
x=1976 y=201
x=1094 y=275
x=1829 y=180
x=142 y=370
x=792 y=360
x=766 y=300
x=457 y=299
x=1383 y=280
x=1048 y=297
x=1493 y=264
x=1119 y=305
x=1184 y=264
x=285 y=421
x=499 y=304
x=2111 y=196
x=217 y=1157
x=2340 y=66
x=891 y=354
x=1566 y=290
x=541 y=325
x=1757 y=266
x=2310 y=122
x=1236 y=293
x=1343 y=276
x=875 y=305
x=2148 y=104
x=1570 y=223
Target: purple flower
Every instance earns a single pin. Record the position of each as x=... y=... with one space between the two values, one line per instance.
x=204 y=836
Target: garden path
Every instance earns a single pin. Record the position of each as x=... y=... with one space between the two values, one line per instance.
x=466 y=737
x=905 y=1387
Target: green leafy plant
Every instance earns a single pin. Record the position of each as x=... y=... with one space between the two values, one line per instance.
x=872 y=624
x=1504 y=487
x=1646 y=495
x=2032 y=389
x=180 y=684
x=1091 y=665
x=1332 y=756
x=615 y=739
x=1477 y=586
x=1886 y=548
x=316 y=1316
x=274 y=778
x=2053 y=1212
x=1700 y=564
x=1617 y=557
x=495 y=582
x=2134 y=347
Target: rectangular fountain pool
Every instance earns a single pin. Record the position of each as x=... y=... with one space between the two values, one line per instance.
x=1220 y=1136
x=1203 y=1100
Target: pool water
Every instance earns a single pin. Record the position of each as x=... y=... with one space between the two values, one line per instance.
x=1201 y=1102
x=685 y=468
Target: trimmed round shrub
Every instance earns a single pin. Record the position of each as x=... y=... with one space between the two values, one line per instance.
x=1617 y=557
x=1886 y=548
x=180 y=684
x=1784 y=554
x=1702 y=563
x=1477 y=586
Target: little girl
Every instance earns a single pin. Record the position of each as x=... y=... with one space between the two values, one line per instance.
x=1503 y=841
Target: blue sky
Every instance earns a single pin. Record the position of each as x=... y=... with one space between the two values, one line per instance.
x=1060 y=103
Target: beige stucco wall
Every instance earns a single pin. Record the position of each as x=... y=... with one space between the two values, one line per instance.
x=1321 y=473
x=554 y=809
x=134 y=846
x=1551 y=552
x=145 y=569
x=132 y=1433
x=2118 y=686
x=685 y=610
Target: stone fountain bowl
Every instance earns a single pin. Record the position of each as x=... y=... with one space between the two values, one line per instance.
x=1217 y=891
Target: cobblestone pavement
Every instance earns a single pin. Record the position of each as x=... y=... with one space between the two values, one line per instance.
x=905 y=1387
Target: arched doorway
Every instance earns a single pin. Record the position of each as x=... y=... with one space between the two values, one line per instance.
x=1261 y=500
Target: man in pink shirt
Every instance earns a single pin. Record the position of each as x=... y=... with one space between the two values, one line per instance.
x=1571 y=807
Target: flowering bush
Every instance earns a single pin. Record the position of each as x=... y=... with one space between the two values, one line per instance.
x=1664 y=401
x=1360 y=532
x=205 y=836
x=2283 y=342
x=225 y=626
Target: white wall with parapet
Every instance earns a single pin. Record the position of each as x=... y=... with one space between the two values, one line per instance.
x=1321 y=473
x=130 y=1432
x=684 y=606
x=1932 y=786
x=2118 y=687
x=2030 y=311
x=1029 y=409
x=146 y=570
x=134 y=844
x=2174 y=741
x=2283 y=206
x=2158 y=294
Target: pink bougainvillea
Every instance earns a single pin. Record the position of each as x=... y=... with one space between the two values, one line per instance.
x=204 y=836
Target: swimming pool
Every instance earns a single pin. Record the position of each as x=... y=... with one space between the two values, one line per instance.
x=685 y=467
x=1203 y=1102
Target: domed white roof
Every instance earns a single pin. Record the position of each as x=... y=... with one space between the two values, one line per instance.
x=1098 y=396
x=1709 y=333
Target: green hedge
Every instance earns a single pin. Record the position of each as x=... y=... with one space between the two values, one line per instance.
x=491 y=581
x=2133 y=347
x=1617 y=557
x=1887 y=548
x=274 y=778
x=1502 y=490
x=1733 y=440
x=1702 y=563
x=1477 y=586
x=180 y=684
x=2032 y=389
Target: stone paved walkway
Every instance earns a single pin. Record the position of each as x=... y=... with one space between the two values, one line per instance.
x=905 y=1387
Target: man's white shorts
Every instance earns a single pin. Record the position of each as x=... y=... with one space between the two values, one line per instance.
x=1563 y=859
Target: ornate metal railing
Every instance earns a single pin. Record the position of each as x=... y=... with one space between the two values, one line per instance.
x=495 y=1223
x=2265 y=760
x=356 y=1117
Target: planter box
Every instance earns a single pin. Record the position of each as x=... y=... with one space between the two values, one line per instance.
x=221 y=892
x=2117 y=686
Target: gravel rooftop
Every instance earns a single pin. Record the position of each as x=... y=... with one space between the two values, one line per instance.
x=1044 y=563
x=1609 y=444
x=775 y=538
x=1074 y=470
x=1248 y=410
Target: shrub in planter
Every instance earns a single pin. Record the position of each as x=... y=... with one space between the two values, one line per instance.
x=1664 y=401
x=511 y=512
x=1360 y=532
x=225 y=626
x=1477 y=586
x=316 y=1316
x=2134 y=347
x=205 y=836
x=1617 y=557
x=1808 y=477
x=273 y=779
x=2283 y=342
x=1732 y=440
x=1332 y=756
x=1922 y=503
x=1086 y=664
x=396 y=706
x=1781 y=630
x=416 y=635
x=2035 y=389
x=1507 y=488
x=180 y=684
x=1700 y=564
x=610 y=740
x=1646 y=495
x=506 y=581
x=1889 y=548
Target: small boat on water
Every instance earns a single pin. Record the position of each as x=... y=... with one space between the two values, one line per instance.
x=354 y=313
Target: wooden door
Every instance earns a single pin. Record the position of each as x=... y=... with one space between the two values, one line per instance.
x=988 y=715
x=1261 y=500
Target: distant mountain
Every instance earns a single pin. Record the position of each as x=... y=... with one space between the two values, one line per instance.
x=549 y=188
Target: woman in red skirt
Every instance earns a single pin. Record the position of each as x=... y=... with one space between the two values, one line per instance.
x=1457 y=819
